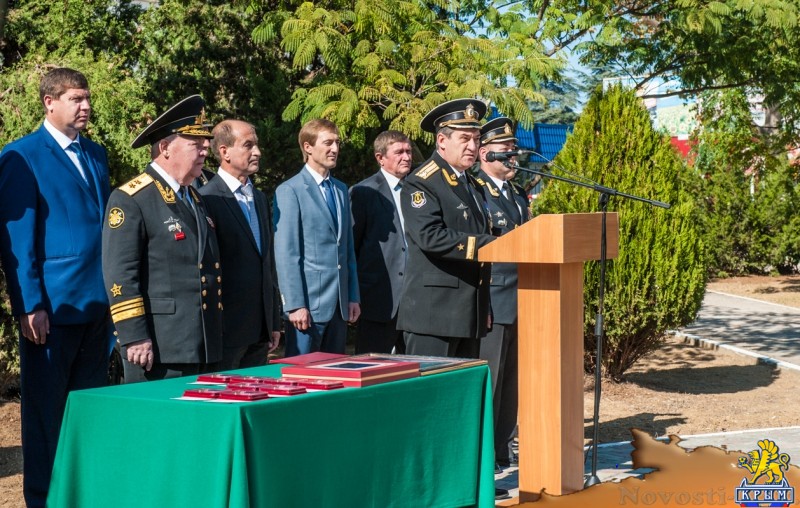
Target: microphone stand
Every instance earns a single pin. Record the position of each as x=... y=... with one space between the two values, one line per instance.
x=605 y=194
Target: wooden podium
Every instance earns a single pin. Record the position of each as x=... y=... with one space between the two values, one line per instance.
x=550 y=251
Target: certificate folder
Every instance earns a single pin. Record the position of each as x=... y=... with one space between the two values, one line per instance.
x=354 y=373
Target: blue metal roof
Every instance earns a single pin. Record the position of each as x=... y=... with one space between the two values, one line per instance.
x=545 y=139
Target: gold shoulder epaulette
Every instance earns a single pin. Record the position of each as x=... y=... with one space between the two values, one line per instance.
x=133 y=186
x=427 y=170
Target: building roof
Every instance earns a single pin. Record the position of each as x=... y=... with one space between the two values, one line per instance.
x=545 y=139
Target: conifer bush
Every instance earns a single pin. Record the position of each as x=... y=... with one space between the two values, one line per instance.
x=658 y=280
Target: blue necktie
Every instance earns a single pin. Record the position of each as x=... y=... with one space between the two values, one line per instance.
x=250 y=212
x=86 y=170
x=186 y=198
x=327 y=190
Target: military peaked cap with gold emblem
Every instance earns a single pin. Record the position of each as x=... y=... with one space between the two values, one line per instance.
x=498 y=130
x=456 y=114
x=185 y=118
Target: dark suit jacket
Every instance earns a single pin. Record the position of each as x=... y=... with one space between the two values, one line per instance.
x=505 y=217
x=251 y=296
x=446 y=289
x=50 y=226
x=380 y=249
x=161 y=267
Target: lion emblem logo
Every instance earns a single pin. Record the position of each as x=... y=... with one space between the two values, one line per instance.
x=767 y=483
x=766 y=461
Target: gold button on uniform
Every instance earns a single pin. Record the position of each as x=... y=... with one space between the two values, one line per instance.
x=203 y=278
x=204 y=293
x=205 y=306
x=219 y=279
x=219 y=292
x=200 y=266
x=216 y=265
x=219 y=305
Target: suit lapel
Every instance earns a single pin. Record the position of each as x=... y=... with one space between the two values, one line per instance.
x=234 y=208
x=61 y=156
x=386 y=192
x=316 y=196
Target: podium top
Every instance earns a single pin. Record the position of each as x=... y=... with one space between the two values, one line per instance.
x=555 y=238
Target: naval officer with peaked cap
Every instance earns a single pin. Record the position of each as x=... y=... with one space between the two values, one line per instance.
x=508 y=205
x=160 y=255
x=444 y=307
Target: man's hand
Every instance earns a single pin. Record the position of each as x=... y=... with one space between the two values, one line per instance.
x=274 y=341
x=141 y=354
x=35 y=326
x=300 y=318
x=354 y=311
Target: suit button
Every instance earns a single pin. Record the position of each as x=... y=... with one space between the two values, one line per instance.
x=203 y=279
x=338 y=267
x=204 y=293
x=400 y=274
x=200 y=266
x=480 y=282
x=205 y=306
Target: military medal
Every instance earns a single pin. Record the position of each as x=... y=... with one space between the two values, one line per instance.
x=175 y=227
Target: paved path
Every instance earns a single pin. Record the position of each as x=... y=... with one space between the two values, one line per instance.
x=767 y=331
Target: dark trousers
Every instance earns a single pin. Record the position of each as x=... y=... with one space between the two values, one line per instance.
x=330 y=337
x=72 y=358
x=136 y=374
x=499 y=349
x=430 y=345
x=377 y=337
x=242 y=357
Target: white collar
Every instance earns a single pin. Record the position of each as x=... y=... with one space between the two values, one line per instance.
x=317 y=177
x=231 y=181
x=390 y=179
x=61 y=138
x=174 y=185
x=499 y=183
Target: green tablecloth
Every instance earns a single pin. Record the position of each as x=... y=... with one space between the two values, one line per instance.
x=423 y=442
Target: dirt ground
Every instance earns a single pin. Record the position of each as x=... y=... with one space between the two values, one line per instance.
x=677 y=389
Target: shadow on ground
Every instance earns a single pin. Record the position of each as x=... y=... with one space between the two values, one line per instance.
x=708 y=380
x=654 y=424
x=10 y=461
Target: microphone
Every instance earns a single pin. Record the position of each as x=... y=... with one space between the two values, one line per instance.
x=504 y=156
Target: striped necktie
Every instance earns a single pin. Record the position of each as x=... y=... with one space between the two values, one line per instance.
x=250 y=212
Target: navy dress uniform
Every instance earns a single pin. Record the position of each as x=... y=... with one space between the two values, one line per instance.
x=161 y=262
x=508 y=205
x=445 y=289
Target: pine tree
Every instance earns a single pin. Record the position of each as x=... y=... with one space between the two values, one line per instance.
x=657 y=281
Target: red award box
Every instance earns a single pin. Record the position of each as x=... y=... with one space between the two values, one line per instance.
x=354 y=373
x=202 y=393
x=307 y=358
x=242 y=395
x=316 y=384
x=220 y=379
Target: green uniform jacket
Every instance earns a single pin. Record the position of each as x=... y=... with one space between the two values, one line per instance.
x=162 y=272
x=445 y=289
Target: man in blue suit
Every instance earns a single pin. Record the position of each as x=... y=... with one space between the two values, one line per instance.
x=53 y=191
x=380 y=245
x=314 y=252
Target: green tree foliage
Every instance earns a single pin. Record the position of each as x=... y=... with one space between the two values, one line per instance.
x=385 y=63
x=205 y=47
x=729 y=159
x=657 y=281
x=706 y=44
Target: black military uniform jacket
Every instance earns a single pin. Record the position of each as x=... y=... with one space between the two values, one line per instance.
x=162 y=273
x=445 y=289
x=505 y=217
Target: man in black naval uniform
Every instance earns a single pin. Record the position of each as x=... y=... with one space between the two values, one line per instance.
x=444 y=307
x=160 y=255
x=509 y=208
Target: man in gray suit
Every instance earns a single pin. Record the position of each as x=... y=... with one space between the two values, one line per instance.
x=314 y=251
x=509 y=208
x=380 y=244
x=244 y=233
